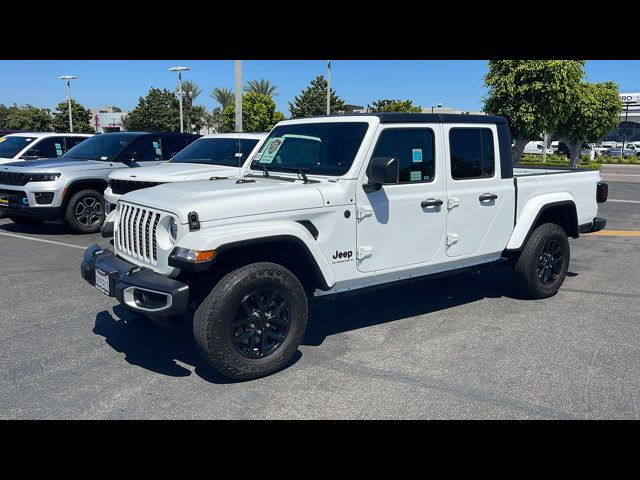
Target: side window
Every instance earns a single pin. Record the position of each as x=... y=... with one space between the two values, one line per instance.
x=414 y=149
x=172 y=145
x=51 y=147
x=472 y=154
x=145 y=149
x=73 y=141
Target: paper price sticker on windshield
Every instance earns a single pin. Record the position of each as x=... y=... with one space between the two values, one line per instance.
x=271 y=150
x=416 y=154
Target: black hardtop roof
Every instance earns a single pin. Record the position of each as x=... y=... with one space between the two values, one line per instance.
x=396 y=117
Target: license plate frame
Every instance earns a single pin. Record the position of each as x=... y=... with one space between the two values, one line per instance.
x=103 y=282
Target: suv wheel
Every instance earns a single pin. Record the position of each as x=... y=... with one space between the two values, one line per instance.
x=252 y=322
x=543 y=263
x=85 y=211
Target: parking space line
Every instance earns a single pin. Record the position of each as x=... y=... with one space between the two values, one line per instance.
x=616 y=233
x=42 y=240
x=623 y=201
x=620 y=174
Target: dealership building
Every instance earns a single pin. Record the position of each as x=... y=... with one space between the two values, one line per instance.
x=629 y=127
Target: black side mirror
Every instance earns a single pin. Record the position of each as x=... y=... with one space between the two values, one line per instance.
x=382 y=171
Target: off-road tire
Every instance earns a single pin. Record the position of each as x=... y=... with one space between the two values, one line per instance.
x=71 y=218
x=526 y=269
x=212 y=320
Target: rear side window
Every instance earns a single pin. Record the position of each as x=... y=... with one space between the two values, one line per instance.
x=472 y=153
x=414 y=149
x=51 y=147
x=173 y=144
x=73 y=141
x=144 y=149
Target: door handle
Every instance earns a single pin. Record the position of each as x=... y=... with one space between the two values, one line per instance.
x=431 y=202
x=487 y=196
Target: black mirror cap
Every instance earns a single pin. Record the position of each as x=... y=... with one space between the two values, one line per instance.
x=384 y=170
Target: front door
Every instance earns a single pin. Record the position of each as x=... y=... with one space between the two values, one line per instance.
x=404 y=223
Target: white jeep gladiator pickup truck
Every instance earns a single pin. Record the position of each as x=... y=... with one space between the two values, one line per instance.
x=335 y=204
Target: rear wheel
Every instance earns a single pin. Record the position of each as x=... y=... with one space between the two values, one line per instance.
x=543 y=263
x=26 y=221
x=85 y=211
x=252 y=322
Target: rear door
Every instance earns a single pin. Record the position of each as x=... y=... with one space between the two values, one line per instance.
x=479 y=202
x=145 y=150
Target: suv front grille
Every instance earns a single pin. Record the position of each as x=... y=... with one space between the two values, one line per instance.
x=120 y=187
x=136 y=232
x=14 y=178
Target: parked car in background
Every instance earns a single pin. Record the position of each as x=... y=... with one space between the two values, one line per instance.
x=34 y=145
x=599 y=149
x=561 y=148
x=217 y=155
x=536 y=148
x=70 y=187
x=632 y=149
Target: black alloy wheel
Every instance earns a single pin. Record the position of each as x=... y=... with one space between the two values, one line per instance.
x=550 y=262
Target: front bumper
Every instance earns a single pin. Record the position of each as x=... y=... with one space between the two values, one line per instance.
x=137 y=288
x=596 y=225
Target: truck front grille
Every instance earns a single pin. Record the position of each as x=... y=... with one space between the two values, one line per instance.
x=136 y=232
x=14 y=178
x=120 y=187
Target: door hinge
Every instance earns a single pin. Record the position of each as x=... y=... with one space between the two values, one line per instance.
x=452 y=203
x=364 y=252
x=362 y=212
x=451 y=239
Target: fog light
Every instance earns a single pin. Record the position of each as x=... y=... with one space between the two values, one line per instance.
x=44 y=198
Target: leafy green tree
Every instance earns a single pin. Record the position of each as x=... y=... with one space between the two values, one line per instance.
x=262 y=86
x=157 y=111
x=259 y=114
x=386 y=105
x=594 y=111
x=312 y=101
x=81 y=118
x=193 y=115
x=28 y=118
x=3 y=115
x=532 y=94
x=224 y=96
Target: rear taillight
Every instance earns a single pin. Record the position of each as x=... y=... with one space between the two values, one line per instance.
x=602 y=192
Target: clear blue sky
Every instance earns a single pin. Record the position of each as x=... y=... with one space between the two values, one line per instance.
x=455 y=83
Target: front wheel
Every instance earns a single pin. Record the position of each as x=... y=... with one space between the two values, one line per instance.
x=543 y=263
x=252 y=322
x=85 y=212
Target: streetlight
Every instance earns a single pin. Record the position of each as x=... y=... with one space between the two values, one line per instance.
x=180 y=70
x=238 y=94
x=328 y=87
x=68 y=79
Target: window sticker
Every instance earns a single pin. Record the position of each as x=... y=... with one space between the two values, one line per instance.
x=257 y=156
x=103 y=158
x=415 y=176
x=156 y=145
x=270 y=151
x=416 y=154
x=58 y=148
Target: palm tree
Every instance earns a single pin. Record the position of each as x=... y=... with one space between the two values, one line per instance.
x=261 y=86
x=191 y=90
x=224 y=96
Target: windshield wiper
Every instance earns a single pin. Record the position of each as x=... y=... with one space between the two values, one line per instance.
x=299 y=170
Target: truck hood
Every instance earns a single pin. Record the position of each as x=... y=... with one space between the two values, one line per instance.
x=175 y=172
x=59 y=165
x=219 y=199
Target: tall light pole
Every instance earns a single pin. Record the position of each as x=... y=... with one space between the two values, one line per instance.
x=328 y=87
x=238 y=86
x=180 y=70
x=68 y=79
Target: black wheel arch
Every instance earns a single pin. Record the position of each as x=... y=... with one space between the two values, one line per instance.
x=83 y=184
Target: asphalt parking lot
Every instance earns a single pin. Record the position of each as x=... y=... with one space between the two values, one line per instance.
x=458 y=347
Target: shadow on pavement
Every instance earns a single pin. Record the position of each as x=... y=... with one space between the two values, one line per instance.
x=45 y=228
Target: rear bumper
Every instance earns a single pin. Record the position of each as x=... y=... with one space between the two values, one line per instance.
x=137 y=288
x=598 y=224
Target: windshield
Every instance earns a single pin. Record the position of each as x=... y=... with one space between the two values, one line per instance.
x=101 y=147
x=317 y=148
x=217 y=151
x=11 y=146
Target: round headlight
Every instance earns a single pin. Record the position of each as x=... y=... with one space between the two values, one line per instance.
x=173 y=229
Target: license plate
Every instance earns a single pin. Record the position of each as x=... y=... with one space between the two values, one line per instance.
x=4 y=201
x=102 y=282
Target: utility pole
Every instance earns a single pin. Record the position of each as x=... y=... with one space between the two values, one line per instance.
x=180 y=70
x=68 y=79
x=544 y=147
x=328 y=87
x=238 y=95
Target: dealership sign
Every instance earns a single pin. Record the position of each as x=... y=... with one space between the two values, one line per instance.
x=630 y=97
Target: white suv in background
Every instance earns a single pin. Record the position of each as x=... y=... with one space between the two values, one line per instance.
x=216 y=155
x=34 y=145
